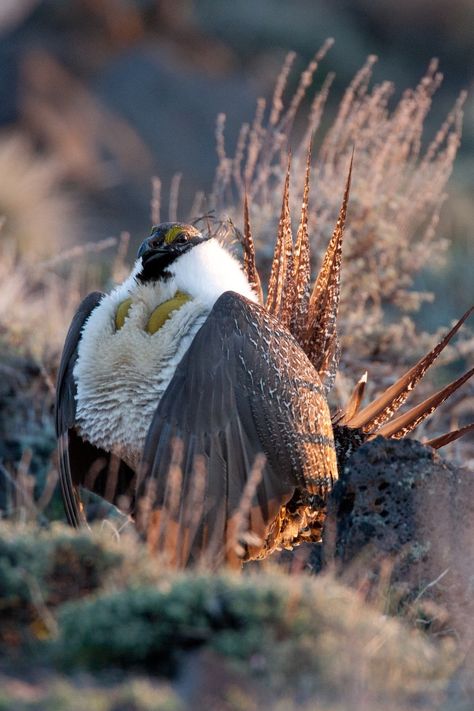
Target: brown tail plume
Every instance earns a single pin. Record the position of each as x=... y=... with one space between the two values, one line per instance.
x=370 y=418
x=279 y=302
x=355 y=400
x=445 y=439
x=321 y=338
x=302 y=263
x=406 y=423
x=250 y=266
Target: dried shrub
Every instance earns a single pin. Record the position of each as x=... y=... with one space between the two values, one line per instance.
x=397 y=193
x=38 y=298
x=51 y=565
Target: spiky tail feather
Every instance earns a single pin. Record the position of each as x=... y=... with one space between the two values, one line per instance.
x=311 y=318
x=250 y=266
x=353 y=406
x=281 y=277
x=320 y=341
x=371 y=418
x=302 y=264
x=445 y=439
x=406 y=423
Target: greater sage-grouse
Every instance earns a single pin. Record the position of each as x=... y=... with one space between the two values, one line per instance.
x=186 y=400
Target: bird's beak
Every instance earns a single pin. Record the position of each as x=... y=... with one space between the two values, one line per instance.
x=148 y=254
x=146 y=250
x=173 y=250
x=160 y=252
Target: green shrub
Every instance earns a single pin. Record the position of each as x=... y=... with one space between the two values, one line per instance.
x=151 y=626
x=293 y=632
x=57 y=563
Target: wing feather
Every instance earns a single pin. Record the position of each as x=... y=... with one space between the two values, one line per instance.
x=65 y=411
x=244 y=388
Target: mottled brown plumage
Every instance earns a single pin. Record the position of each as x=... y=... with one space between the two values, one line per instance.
x=275 y=404
x=320 y=342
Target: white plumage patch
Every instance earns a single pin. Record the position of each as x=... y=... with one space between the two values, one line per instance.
x=122 y=374
x=206 y=271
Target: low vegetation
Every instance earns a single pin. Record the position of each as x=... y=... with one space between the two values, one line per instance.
x=97 y=604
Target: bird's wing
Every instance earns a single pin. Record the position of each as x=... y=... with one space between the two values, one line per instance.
x=243 y=389
x=66 y=407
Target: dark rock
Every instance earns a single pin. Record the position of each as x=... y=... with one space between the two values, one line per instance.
x=398 y=500
x=347 y=441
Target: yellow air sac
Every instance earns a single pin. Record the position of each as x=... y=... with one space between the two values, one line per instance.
x=164 y=311
x=122 y=313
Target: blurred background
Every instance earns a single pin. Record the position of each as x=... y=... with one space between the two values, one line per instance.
x=98 y=96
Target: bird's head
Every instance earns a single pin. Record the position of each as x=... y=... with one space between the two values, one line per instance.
x=166 y=243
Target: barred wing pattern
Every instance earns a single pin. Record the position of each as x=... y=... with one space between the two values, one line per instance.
x=244 y=388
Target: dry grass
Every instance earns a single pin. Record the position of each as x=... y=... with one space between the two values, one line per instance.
x=38 y=299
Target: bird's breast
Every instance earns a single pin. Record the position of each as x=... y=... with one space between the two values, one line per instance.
x=127 y=356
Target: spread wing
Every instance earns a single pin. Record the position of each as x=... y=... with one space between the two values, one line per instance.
x=80 y=463
x=243 y=389
x=66 y=408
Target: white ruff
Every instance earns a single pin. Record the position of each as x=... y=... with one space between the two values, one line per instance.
x=121 y=375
